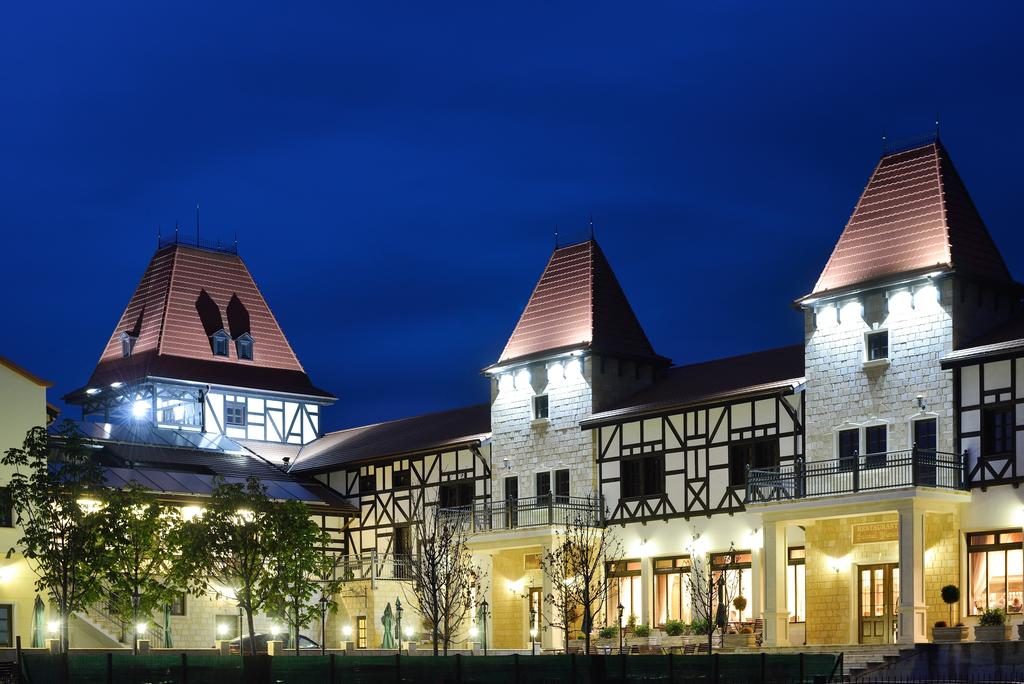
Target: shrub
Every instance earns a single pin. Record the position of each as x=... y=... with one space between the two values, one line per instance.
x=675 y=628
x=631 y=623
x=993 y=617
x=642 y=631
x=701 y=627
x=940 y=624
x=739 y=603
x=950 y=595
x=608 y=632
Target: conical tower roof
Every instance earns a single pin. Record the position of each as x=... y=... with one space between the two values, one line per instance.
x=186 y=295
x=578 y=304
x=915 y=215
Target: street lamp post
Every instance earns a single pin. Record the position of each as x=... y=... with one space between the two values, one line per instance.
x=484 y=606
x=323 y=625
x=622 y=609
x=398 y=622
x=135 y=621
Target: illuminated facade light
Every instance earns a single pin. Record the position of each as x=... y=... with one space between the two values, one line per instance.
x=92 y=390
x=408 y=632
x=140 y=409
x=522 y=379
x=474 y=632
x=140 y=628
x=926 y=298
x=53 y=626
x=222 y=629
x=347 y=631
x=573 y=369
x=555 y=373
x=117 y=385
x=851 y=313
x=505 y=382
x=826 y=317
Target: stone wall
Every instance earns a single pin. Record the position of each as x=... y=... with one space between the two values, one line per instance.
x=941 y=563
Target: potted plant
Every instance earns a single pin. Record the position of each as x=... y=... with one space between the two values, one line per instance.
x=740 y=604
x=641 y=635
x=992 y=626
x=742 y=638
x=949 y=632
x=674 y=631
x=578 y=642
x=608 y=637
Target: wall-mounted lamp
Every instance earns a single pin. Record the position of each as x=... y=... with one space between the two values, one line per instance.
x=921 y=402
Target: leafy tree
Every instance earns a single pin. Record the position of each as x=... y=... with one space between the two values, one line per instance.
x=444 y=580
x=229 y=549
x=57 y=507
x=303 y=568
x=139 y=534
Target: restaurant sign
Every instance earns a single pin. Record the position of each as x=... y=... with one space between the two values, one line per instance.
x=869 y=533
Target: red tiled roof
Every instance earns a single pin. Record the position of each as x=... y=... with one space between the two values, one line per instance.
x=433 y=431
x=698 y=383
x=578 y=303
x=185 y=295
x=914 y=215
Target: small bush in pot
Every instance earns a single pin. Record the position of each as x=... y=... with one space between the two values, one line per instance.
x=674 y=628
x=950 y=595
x=609 y=632
x=642 y=631
x=740 y=604
x=992 y=626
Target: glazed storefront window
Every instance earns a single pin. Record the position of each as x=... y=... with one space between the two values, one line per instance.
x=671 y=590
x=995 y=563
x=734 y=567
x=796 y=582
x=624 y=587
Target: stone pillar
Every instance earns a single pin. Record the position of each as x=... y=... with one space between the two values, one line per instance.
x=776 y=614
x=913 y=607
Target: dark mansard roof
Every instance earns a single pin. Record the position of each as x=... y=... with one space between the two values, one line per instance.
x=430 y=432
x=762 y=372
x=1004 y=341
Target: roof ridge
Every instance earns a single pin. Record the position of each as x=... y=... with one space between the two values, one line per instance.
x=259 y=293
x=732 y=357
x=398 y=420
x=942 y=203
x=167 y=299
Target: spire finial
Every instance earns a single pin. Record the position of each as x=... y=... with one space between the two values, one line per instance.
x=556 y=236
x=885 y=147
x=176 y=224
x=936 y=125
x=158 y=240
x=591 y=227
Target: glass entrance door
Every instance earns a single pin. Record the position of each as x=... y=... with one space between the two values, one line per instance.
x=879 y=603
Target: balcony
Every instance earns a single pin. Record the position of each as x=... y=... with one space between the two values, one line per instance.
x=525 y=512
x=375 y=566
x=862 y=473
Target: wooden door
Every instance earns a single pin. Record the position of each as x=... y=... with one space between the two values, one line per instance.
x=878 y=604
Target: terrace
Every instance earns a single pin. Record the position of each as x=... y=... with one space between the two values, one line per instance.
x=527 y=512
x=860 y=473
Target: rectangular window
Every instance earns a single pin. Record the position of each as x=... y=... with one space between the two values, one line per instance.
x=543 y=487
x=540 y=407
x=734 y=569
x=562 y=486
x=234 y=413
x=849 y=448
x=177 y=606
x=875 y=446
x=361 y=631
x=624 y=588
x=997 y=428
x=671 y=590
x=6 y=508
x=220 y=345
x=6 y=624
x=368 y=483
x=762 y=453
x=455 y=495
x=995 y=567
x=643 y=476
x=244 y=348
x=401 y=478
x=796 y=583
x=877 y=345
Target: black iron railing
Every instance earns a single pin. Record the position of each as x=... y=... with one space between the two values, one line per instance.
x=860 y=473
x=531 y=511
x=375 y=566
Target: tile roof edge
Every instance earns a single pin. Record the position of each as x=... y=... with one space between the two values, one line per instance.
x=964 y=356
x=454 y=442
x=629 y=413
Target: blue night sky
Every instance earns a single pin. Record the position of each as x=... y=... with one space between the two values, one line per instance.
x=395 y=172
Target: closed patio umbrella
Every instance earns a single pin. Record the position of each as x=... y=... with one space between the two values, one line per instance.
x=38 y=618
x=168 y=642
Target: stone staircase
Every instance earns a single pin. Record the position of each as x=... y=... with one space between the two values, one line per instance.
x=858 y=659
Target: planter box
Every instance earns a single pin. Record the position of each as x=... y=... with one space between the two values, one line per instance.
x=945 y=635
x=998 y=633
x=578 y=644
x=740 y=640
x=608 y=643
x=670 y=641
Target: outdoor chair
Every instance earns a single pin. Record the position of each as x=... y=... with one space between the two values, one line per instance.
x=703 y=648
x=689 y=649
x=758 y=632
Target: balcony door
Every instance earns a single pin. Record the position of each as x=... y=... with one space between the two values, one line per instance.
x=879 y=603
x=924 y=450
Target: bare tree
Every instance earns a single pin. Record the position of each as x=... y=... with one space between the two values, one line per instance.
x=575 y=566
x=710 y=592
x=444 y=580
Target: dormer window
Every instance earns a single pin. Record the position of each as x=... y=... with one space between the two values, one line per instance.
x=127 y=344
x=220 y=341
x=243 y=346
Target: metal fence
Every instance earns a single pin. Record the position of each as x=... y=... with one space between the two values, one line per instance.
x=529 y=511
x=514 y=669
x=375 y=566
x=858 y=473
